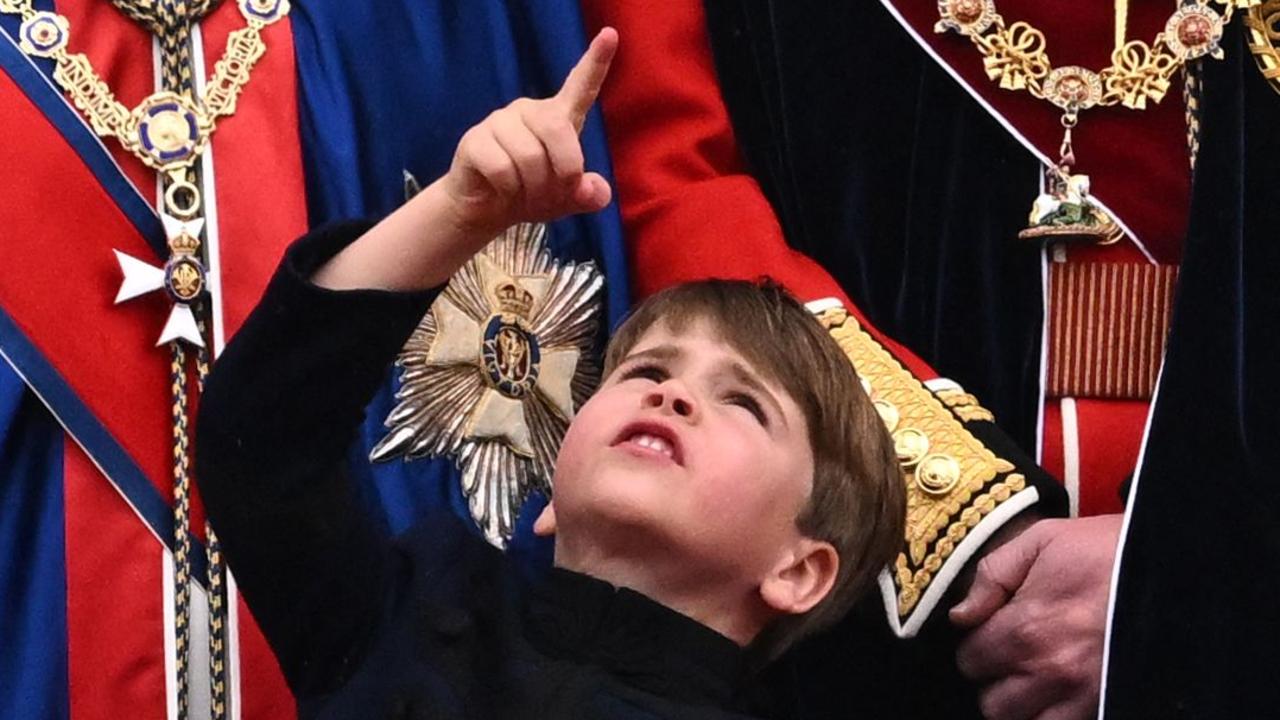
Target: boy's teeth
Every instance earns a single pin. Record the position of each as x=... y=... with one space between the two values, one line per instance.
x=653 y=443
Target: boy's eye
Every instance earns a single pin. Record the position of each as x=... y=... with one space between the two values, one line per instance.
x=751 y=405
x=654 y=373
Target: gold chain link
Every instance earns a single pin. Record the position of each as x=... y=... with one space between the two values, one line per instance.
x=110 y=118
x=1015 y=55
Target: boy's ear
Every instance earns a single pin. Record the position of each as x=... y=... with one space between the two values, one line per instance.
x=803 y=578
x=545 y=525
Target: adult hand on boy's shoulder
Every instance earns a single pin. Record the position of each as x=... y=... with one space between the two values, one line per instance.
x=524 y=162
x=1038 y=610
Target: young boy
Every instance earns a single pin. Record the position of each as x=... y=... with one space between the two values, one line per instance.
x=728 y=487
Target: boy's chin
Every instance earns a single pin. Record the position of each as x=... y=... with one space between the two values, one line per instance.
x=617 y=491
x=620 y=505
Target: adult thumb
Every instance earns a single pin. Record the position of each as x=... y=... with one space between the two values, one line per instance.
x=998 y=577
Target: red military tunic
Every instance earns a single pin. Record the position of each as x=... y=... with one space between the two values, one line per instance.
x=119 y=609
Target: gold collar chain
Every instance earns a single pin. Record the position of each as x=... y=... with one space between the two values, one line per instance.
x=167 y=131
x=1014 y=55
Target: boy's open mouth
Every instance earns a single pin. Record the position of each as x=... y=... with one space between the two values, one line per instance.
x=652 y=437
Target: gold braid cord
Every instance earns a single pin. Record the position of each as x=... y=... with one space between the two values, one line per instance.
x=1262 y=26
x=217 y=587
x=169 y=131
x=181 y=523
x=171 y=21
x=953 y=481
x=1192 y=92
x=172 y=24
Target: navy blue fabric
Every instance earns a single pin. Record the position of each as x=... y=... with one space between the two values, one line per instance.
x=33 y=594
x=878 y=181
x=394 y=88
x=1196 y=633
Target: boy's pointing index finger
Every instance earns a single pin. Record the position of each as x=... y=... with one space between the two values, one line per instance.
x=587 y=77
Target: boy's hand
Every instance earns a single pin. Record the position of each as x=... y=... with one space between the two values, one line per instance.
x=524 y=163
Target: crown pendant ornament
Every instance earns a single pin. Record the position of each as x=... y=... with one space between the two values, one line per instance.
x=494 y=372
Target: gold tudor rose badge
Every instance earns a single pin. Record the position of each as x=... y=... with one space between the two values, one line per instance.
x=494 y=372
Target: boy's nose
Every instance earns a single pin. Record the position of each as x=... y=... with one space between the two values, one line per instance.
x=668 y=397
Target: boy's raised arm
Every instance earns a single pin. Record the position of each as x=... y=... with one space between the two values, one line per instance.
x=286 y=398
x=523 y=163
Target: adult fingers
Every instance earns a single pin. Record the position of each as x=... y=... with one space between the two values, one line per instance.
x=1013 y=698
x=586 y=78
x=1002 y=645
x=998 y=577
x=1071 y=710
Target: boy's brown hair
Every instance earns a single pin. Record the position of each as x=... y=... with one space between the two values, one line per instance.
x=858 y=500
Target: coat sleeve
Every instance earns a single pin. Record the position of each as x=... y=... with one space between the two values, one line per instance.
x=691 y=210
x=279 y=412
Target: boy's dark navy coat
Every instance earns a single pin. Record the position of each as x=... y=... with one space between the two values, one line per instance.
x=435 y=623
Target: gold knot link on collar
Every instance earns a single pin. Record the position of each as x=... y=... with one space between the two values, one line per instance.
x=1137 y=74
x=1015 y=57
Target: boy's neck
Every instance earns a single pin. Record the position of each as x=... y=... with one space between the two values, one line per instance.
x=724 y=605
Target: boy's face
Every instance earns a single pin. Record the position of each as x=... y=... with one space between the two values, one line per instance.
x=687 y=449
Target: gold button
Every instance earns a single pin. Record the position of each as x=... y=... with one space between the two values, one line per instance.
x=938 y=474
x=888 y=413
x=911 y=445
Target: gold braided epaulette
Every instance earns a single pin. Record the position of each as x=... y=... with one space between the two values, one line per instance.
x=965 y=405
x=953 y=481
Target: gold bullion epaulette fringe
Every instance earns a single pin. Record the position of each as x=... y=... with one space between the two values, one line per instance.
x=953 y=480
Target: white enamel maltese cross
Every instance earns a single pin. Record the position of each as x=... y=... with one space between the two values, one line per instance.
x=182 y=277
